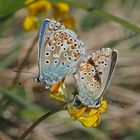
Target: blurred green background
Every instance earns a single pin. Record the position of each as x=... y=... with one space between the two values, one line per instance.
x=99 y=23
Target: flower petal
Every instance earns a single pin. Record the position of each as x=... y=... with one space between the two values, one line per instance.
x=57 y=91
x=61 y=8
x=89 y=121
x=41 y=6
x=29 y=23
x=74 y=112
x=103 y=106
x=92 y=112
x=97 y=122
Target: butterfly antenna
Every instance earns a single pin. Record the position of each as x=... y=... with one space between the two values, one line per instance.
x=114 y=102
x=23 y=81
x=15 y=70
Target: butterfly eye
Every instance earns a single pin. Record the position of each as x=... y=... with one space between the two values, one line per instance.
x=51 y=25
x=97 y=104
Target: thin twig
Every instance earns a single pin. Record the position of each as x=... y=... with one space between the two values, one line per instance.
x=28 y=130
x=24 y=61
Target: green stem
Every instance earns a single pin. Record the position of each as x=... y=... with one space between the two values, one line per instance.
x=28 y=130
x=116 y=19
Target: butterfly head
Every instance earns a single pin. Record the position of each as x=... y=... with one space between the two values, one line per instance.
x=36 y=79
x=97 y=104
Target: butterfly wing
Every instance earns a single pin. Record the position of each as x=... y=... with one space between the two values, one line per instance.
x=94 y=75
x=60 y=51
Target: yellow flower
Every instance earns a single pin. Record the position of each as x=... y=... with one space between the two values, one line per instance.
x=61 y=8
x=57 y=91
x=28 y=1
x=75 y=112
x=92 y=121
x=29 y=23
x=103 y=106
x=69 y=22
x=89 y=117
x=40 y=6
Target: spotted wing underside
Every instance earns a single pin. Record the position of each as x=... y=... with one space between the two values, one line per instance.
x=94 y=75
x=59 y=52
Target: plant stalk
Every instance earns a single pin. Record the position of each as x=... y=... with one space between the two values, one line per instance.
x=46 y=115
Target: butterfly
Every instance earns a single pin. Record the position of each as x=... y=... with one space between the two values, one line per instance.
x=59 y=52
x=94 y=75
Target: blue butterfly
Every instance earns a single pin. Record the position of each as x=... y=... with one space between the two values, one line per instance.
x=59 y=52
x=94 y=75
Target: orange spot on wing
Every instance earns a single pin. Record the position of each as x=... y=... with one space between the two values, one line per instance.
x=66 y=36
x=50 y=42
x=73 y=46
x=81 y=68
x=76 y=55
x=56 y=38
x=69 y=41
x=88 y=65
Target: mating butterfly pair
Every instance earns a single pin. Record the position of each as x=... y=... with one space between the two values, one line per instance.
x=60 y=53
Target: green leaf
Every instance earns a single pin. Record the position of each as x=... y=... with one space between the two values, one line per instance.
x=30 y=114
x=20 y=100
x=90 y=21
x=8 y=7
x=115 y=19
x=115 y=42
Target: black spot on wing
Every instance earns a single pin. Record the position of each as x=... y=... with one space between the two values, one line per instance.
x=90 y=61
x=97 y=77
